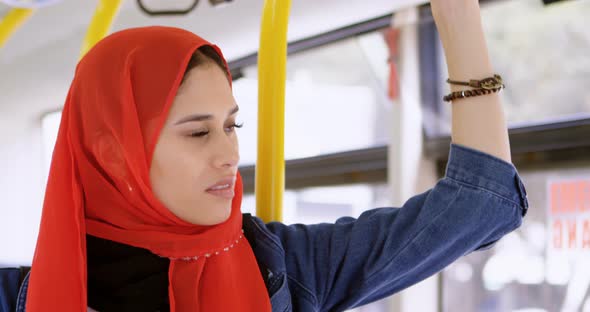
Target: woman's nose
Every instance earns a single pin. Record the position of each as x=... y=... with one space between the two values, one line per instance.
x=227 y=154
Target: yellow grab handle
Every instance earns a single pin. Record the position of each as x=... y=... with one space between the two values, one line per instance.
x=272 y=67
x=11 y=22
x=100 y=24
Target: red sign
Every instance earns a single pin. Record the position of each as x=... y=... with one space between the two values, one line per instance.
x=569 y=215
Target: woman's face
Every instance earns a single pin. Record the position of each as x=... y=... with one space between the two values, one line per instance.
x=196 y=158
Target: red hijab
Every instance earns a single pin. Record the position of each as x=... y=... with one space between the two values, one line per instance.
x=116 y=106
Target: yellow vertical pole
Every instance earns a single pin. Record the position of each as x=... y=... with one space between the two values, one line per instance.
x=100 y=25
x=11 y=22
x=272 y=73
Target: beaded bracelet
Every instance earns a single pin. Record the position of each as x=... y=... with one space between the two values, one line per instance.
x=484 y=86
x=468 y=93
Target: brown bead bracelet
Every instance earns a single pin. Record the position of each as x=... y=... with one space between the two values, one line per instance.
x=469 y=93
x=485 y=86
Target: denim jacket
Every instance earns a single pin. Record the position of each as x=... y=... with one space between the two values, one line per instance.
x=355 y=261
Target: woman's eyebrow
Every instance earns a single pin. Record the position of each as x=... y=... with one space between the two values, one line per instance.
x=192 y=118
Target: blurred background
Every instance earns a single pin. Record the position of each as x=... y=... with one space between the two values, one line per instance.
x=365 y=126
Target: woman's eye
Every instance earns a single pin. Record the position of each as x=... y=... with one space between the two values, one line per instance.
x=199 y=134
x=233 y=126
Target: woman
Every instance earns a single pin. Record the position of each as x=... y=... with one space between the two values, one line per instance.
x=142 y=208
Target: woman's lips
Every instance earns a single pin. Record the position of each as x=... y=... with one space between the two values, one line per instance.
x=224 y=188
x=225 y=193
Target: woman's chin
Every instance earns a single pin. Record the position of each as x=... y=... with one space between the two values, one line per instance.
x=214 y=216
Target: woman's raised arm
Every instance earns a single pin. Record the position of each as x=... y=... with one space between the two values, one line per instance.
x=478 y=122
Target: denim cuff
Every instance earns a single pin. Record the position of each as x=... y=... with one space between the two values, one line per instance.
x=484 y=171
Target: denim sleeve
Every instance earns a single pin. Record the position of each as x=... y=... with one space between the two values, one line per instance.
x=357 y=261
x=9 y=283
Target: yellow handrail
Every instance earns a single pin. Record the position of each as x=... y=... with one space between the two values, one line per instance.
x=272 y=60
x=101 y=23
x=11 y=22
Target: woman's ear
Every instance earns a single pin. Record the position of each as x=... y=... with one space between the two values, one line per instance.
x=111 y=158
x=109 y=154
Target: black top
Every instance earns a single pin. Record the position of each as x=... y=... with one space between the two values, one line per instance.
x=125 y=278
